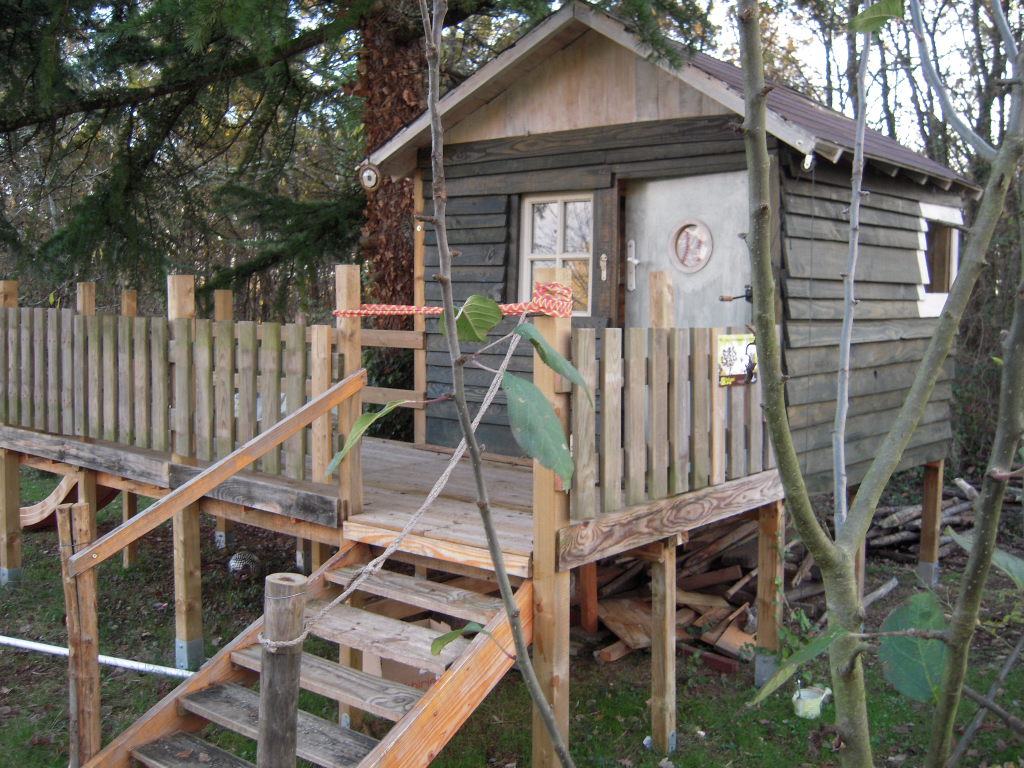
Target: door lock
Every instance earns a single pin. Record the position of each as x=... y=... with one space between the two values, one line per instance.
x=748 y=294
x=604 y=266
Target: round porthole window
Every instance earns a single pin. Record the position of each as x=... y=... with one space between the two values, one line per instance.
x=690 y=246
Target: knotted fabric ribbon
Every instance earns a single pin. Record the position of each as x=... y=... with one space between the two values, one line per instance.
x=552 y=299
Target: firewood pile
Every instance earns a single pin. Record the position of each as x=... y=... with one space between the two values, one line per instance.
x=716 y=580
x=895 y=532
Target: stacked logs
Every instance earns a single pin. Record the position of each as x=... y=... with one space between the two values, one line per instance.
x=716 y=585
x=895 y=532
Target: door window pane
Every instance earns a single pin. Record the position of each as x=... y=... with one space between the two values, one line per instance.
x=579 y=226
x=545 y=228
x=580 y=271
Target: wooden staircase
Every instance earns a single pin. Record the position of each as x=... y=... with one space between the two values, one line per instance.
x=221 y=692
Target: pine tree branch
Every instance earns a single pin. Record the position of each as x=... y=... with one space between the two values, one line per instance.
x=13 y=118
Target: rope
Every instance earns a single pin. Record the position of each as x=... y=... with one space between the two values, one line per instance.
x=377 y=563
x=552 y=299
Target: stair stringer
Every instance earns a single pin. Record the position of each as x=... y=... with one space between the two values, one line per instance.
x=167 y=717
x=417 y=738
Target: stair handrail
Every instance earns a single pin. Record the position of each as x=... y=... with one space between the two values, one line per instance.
x=161 y=510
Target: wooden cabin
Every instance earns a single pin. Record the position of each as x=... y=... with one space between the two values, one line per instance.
x=570 y=151
x=572 y=147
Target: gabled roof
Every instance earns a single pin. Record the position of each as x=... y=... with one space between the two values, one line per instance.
x=794 y=119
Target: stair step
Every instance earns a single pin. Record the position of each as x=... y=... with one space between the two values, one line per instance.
x=352 y=686
x=319 y=741
x=183 y=750
x=431 y=595
x=384 y=637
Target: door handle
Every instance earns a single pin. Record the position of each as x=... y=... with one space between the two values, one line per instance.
x=631 y=262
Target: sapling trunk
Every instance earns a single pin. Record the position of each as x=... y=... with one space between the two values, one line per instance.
x=433 y=25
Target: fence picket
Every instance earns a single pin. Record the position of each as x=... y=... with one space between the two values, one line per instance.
x=583 y=501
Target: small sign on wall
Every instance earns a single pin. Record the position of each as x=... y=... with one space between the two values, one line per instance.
x=690 y=246
x=737 y=359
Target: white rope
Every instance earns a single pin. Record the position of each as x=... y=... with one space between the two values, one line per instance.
x=377 y=563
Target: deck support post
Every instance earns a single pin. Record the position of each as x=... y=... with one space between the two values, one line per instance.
x=285 y=600
x=771 y=521
x=224 y=310
x=76 y=528
x=188 y=602
x=550 y=513
x=10 y=519
x=347 y=295
x=663 y=647
x=931 y=523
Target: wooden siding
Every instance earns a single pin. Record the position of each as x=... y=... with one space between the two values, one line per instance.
x=889 y=335
x=485 y=182
x=592 y=81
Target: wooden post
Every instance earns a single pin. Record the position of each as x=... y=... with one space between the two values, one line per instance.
x=85 y=299
x=663 y=313
x=223 y=311
x=10 y=519
x=550 y=586
x=663 y=648
x=931 y=523
x=188 y=606
x=320 y=431
x=350 y=473
x=8 y=361
x=584 y=500
x=279 y=670
x=419 y=322
x=129 y=501
x=76 y=529
x=771 y=519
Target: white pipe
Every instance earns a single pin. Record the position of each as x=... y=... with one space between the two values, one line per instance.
x=111 y=661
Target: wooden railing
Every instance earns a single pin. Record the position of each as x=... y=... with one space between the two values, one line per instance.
x=197 y=387
x=662 y=424
x=162 y=509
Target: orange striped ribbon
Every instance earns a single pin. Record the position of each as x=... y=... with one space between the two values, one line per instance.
x=552 y=299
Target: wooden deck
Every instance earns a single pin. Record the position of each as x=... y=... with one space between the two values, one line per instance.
x=399 y=476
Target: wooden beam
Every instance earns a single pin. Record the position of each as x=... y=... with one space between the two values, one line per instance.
x=10 y=519
x=350 y=473
x=191 y=492
x=931 y=523
x=589 y=540
x=663 y=648
x=550 y=585
x=770 y=543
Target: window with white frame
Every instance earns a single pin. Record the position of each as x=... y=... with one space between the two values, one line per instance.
x=558 y=231
x=940 y=256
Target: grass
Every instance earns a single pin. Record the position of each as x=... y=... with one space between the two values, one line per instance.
x=609 y=716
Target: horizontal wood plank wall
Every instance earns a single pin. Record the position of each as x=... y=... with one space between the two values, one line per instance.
x=657 y=421
x=889 y=336
x=486 y=180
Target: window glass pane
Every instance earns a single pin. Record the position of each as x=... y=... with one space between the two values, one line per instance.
x=534 y=265
x=579 y=227
x=545 y=227
x=580 y=283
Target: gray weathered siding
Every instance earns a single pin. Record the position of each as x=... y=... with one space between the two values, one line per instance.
x=889 y=336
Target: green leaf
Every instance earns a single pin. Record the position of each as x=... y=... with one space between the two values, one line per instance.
x=1011 y=565
x=914 y=665
x=447 y=638
x=875 y=16
x=810 y=651
x=476 y=318
x=536 y=427
x=552 y=357
x=363 y=423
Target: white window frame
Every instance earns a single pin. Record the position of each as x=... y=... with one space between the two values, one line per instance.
x=526 y=257
x=930 y=304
